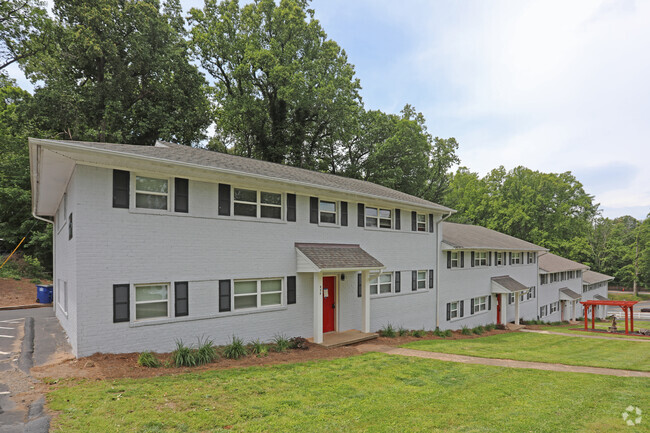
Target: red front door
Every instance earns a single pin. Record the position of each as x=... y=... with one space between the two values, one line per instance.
x=329 y=303
x=499 y=308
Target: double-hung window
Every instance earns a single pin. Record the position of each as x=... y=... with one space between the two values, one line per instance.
x=378 y=217
x=422 y=280
x=382 y=284
x=151 y=301
x=249 y=294
x=455 y=261
x=529 y=293
x=511 y=298
x=480 y=304
x=422 y=222
x=480 y=258
x=498 y=258
x=257 y=204
x=151 y=193
x=554 y=307
x=327 y=211
x=453 y=310
x=516 y=258
x=522 y=296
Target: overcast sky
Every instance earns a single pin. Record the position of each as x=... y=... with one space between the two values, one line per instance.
x=552 y=85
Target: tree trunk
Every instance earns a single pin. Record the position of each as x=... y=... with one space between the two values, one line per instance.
x=635 y=286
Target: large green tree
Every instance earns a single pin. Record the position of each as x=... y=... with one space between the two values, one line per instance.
x=119 y=70
x=21 y=30
x=284 y=92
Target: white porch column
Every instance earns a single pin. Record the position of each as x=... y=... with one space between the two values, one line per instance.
x=365 y=301
x=504 y=308
x=573 y=313
x=516 y=308
x=318 y=307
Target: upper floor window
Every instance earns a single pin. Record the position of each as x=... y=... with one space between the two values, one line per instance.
x=327 y=212
x=422 y=222
x=531 y=257
x=543 y=279
x=377 y=217
x=480 y=258
x=381 y=284
x=257 y=204
x=422 y=280
x=151 y=193
x=455 y=261
x=498 y=257
x=516 y=258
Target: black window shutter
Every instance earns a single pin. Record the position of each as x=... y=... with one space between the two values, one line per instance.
x=398 y=281
x=181 y=195
x=448 y=311
x=313 y=210
x=344 y=213
x=181 y=298
x=462 y=259
x=471 y=308
x=224 y=295
x=358 y=285
x=510 y=254
x=361 y=215
x=414 y=280
x=472 y=258
x=70 y=227
x=121 y=189
x=448 y=259
x=489 y=258
x=414 y=221
x=430 y=223
x=121 y=308
x=291 y=207
x=431 y=278
x=398 y=221
x=291 y=290
x=489 y=302
x=462 y=308
x=224 y=199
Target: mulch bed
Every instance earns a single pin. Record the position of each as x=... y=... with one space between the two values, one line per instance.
x=113 y=366
x=18 y=292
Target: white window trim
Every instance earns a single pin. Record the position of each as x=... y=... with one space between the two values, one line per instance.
x=133 y=192
x=417 y=223
x=258 y=204
x=519 y=260
x=258 y=294
x=453 y=311
x=417 y=279
x=478 y=259
x=170 y=304
x=499 y=258
x=378 y=218
x=481 y=300
x=378 y=284
x=337 y=213
x=457 y=259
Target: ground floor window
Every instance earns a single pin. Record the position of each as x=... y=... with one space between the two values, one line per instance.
x=480 y=304
x=250 y=294
x=511 y=298
x=554 y=307
x=151 y=301
x=381 y=284
x=453 y=310
x=543 y=311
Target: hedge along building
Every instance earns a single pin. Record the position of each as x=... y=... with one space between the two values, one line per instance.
x=486 y=277
x=560 y=288
x=160 y=243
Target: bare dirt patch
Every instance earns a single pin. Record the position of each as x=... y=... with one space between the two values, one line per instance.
x=112 y=366
x=18 y=292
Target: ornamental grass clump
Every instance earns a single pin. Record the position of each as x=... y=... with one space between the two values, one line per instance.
x=258 y=348
x=466 y=331
x=419 y=333
x=205 y=353
x=490 y=327
x=148 y=359
x=235 y=349
x=478 y=330
x=402 y=331
x=387 y=331
x=183 y=356
x=281 y=343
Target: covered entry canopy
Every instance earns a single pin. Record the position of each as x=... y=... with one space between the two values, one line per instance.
x=506 y=284
x=567 y=294
x=334 y=257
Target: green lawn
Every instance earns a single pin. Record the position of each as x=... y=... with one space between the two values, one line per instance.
x=372 y=392
x=525 y=346
x=571 y=329
x=628 y=297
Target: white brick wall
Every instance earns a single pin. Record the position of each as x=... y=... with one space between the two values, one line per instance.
x=550 y=292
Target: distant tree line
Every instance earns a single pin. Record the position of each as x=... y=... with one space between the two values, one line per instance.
x=270 y=83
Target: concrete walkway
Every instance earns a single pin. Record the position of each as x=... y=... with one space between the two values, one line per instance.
x=597 y=337
x=499 y=362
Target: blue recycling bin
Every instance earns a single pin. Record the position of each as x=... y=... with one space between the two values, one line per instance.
x=44 y=294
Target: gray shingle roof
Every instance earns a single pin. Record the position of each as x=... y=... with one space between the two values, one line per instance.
x=509 y=283
x=176 y=153
x=476 y=237
x=338 y=256
x=600 y=298
x=550 y=262
x=593 y=277
x=570 y=293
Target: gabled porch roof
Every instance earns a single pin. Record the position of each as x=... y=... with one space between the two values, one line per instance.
x=317 y=257
x=567 y=294
x=507 y=284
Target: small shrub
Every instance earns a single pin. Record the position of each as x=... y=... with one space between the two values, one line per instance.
x=235 y=349
x=466 y=330
x=281 y=343
x=438 y=333
x=419 y=333
x=258 y=348
x=206 y=353
x=478 y=330
x=447 y=333
x=298 y=343
x=490 y=327
x=402 y=331
x=35 y=281
x=387 y=331
x=501 y=326
x=183 y=356
x=148 y=359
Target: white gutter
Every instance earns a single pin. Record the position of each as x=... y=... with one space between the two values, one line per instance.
x=438 y=254
x=41 y=218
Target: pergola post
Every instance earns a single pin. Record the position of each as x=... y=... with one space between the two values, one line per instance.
x=626 y=330
x=318 y=307
x=586 y=316
x=365 y=301
x=593 y=317
x=632 y=318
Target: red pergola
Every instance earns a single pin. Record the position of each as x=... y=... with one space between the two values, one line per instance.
x=625 y=305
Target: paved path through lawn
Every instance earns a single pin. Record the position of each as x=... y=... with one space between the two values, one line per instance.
x=598 y=337
x=499 y=362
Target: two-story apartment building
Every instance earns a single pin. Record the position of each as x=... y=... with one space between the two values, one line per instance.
x=560 y=288
x=485 y=277
x=594 y=287
x=158 y=243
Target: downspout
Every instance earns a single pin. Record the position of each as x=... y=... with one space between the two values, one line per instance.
x=438 y=254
